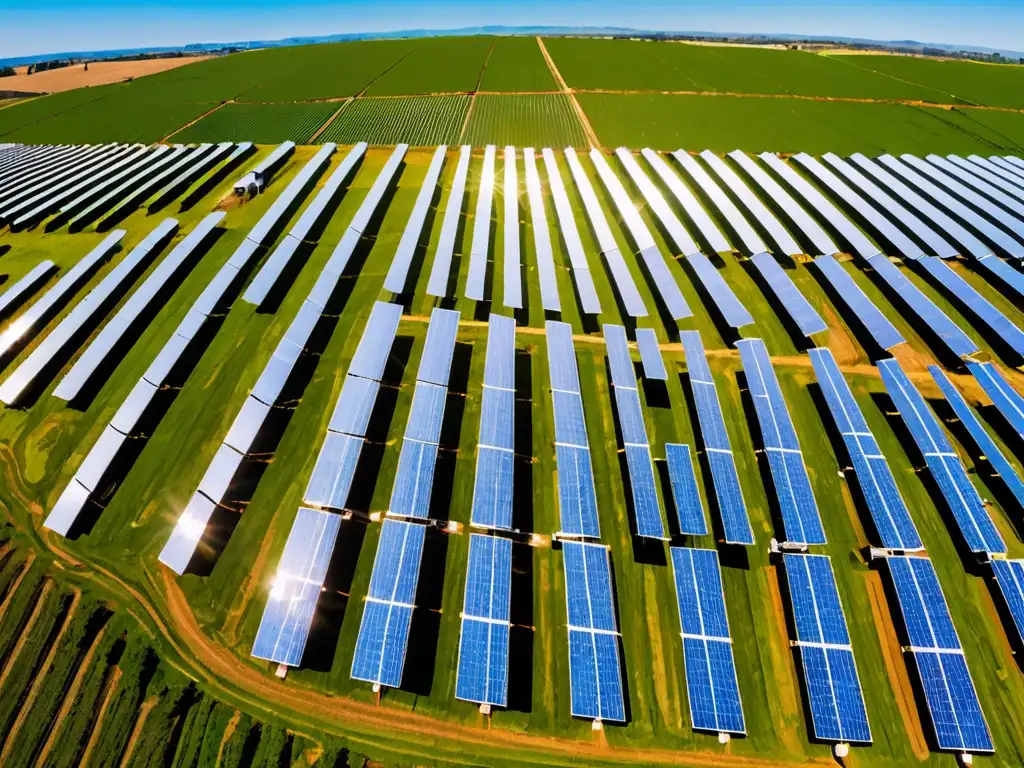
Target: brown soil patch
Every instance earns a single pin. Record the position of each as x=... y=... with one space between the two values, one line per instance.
x=97 y=728
x=787 y=687
x=144 y=710
x=100 y=73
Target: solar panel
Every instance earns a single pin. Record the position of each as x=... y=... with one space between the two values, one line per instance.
x=1005 y=398
x=398 y=273
x=134 y=198
x=698 y=215
x=877 y=220
x=24 y=327
x=799 y=510
x=973 y=302
x=731 y=507
x=870 y=316
x=480 y=246
x=595 y=674
x=492 y=488
x=732 y=309
x=387 y=613
x=1005 y=275
x=711 y=686
x=650 y=354
x=561 y=356
x=644 y=492
x=437 y=284
x=922 y=231
x=618 y=356
x=484 y=642
x=427 y=413
x=570 y=426
x=751 y=239
x=371 y=355
x=983 y=441
x=12 y=298
x=684 y=243
x=436 y=362
x=1010 y=578
x=1009 y=164
x=190 y=528
x=499 y=364
x=577 y=499
x=836 y=219
x=128 y=415
x=334 y=471
x=196 y=168
x=512 y=295
x=811 y=229
x=997 y=167
x=830 y=672
x=956 y=716
x=888 y=511
x=115 y=330
x=689 y=509
x=788 y=295
x=571 y=237
x=623 y=279
x=288 y=614
x=981 y=180
x=541 y=237
x=328 y=191
x=492 y=491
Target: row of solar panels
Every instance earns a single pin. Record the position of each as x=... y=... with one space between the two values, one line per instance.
x=77 y=185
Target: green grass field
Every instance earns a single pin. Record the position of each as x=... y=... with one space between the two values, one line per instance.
x=265 y=123
x=517 y=64
x=201 y=628
x=539 y=120
x=417 y=120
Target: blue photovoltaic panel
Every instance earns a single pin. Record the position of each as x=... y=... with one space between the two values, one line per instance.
x=496 y=416
x=785 y=460
x=1005 y=398
x=689 y=508
x=335 y=469
x=570 y=427
x=595 y=673
x=427 y=413
x=414 y=480
x=711 y=685
x=1010 y=578
x=288 y=614
x=731 y=308
x=650 y=354
x=375 y=344
x=577 y=500
x=499 y=364
x=889 y=512
x=733 y=510
x=492 y=488
x=561 y=357
x=984 y=442
x=618 y=356
x=882 y=331
x=437 y=285
x=1007 y=276
x=631 y=416
x=949 y=691
x=481 y=229
x=436 y=363
x=483 y=645
x=645 y=495
x=387 y=613
x=789 y=297
x=833 y=686
x=968 y=510
x=354 y=407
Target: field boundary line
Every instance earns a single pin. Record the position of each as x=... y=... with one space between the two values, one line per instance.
x=110 y=688
x=588 y=129
x=472 y=96
x=189 y=125
x=331 y=119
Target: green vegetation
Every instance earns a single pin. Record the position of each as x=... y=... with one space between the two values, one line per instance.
x=517 y=64
x=260 y=123
x=419 y=120
x=536 y=120
x=436 y=65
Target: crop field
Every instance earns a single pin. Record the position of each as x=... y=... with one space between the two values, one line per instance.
x=436 y=66
x=157 y=667
x=517 y=64
x=262 y=123
x=421 y=120
x=537 y=120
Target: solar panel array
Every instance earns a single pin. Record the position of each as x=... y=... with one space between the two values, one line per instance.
x=826 y=655
x=495 y=458
x=595 y=674
x=689 y=202
x=634 y=435
x=180 y=182
x=657 y=203
x=541 y=237
x=398 y=274
x=868 y=314
x=790 y=298
x=437 y=284
x=625 y=286
x=383 y=638
x=577 y=499
x=14 y=296
x=717 y=449
x=983 y=441
x=484 y=641
x=480 y=247
x=683 y=479
x=711 y=685
x=650 y=354
x=1006 y=399
x=591 y=304
x=1010 y=579
x=956 y=716
x=799 y=510
x=512 y=296
x=975 y=177
x=889 y=512
x=288 y=614
x=1009 y=180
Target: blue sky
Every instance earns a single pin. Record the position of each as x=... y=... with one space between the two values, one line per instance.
x=39 y=26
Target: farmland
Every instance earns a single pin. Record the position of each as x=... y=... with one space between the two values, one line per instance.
x=416 y=120
x=264 y=123
x=537 y=120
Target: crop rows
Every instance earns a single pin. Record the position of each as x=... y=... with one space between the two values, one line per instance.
x=545 y=120
x=261 y=123
x=426 y=120
x=517 y=64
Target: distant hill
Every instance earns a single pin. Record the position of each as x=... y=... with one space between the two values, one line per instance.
x=503 y=30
